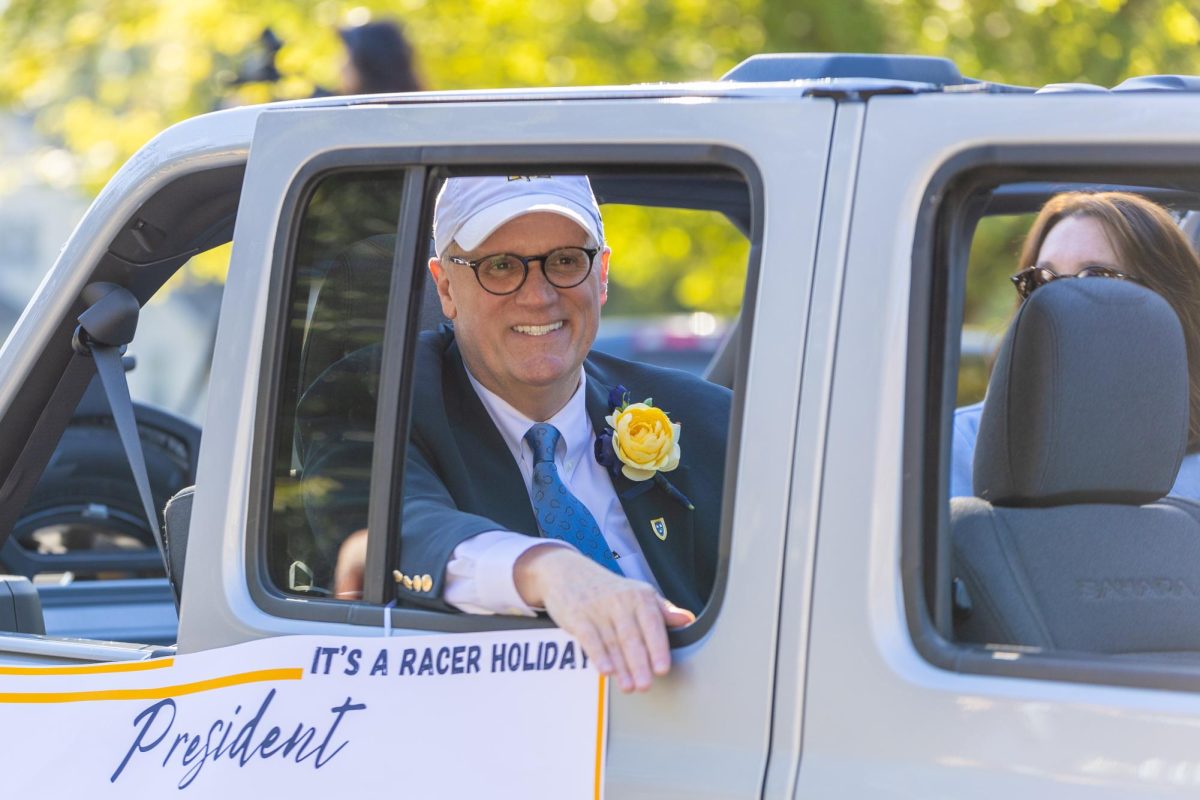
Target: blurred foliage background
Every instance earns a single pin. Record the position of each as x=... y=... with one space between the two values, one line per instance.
x=101 y=77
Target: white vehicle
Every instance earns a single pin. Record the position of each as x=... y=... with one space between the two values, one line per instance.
x=827 y=662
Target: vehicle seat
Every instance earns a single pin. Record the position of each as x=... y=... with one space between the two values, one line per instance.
x=722 y=370
x=177 y=517
x=20 y=606
x=1069 y=543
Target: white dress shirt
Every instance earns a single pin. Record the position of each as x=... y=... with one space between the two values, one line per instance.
x=479 y=576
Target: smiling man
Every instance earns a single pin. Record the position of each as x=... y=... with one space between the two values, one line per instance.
x=536 y=478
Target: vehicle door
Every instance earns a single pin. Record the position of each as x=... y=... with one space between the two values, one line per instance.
x=895 y=705
x=704 y=730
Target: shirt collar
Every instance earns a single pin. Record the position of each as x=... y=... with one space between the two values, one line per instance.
x=571 y=421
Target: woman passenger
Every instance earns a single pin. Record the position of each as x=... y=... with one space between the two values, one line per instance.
x=1113 y=235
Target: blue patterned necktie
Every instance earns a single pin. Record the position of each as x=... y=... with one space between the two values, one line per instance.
x=559 y=513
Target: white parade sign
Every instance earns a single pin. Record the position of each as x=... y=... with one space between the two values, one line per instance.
x=509 y=714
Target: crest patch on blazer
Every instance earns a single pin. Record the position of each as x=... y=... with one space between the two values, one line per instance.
x=659 y=526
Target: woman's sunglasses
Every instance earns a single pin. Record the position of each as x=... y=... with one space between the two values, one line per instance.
x=1031 y=278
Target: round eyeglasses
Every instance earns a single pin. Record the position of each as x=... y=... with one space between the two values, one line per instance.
x=505 y=273
x=1031 y=278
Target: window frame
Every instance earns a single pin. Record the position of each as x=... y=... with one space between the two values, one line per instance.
x=425 y=168
x=943 y=235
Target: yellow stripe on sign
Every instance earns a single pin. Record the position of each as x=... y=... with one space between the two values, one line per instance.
x=158 y=692
x=599 y=780
x=91 y=669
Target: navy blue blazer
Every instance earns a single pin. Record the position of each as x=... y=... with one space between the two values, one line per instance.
x=461 y=479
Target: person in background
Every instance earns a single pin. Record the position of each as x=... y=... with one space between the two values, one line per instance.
x=1113 y=235
x=378 y=59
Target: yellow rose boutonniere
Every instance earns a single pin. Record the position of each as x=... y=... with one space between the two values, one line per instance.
x=644 y=439
x=641 y=442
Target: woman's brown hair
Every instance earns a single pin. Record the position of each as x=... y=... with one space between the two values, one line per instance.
x=1152 y=248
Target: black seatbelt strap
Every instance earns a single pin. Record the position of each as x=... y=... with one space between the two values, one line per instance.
x=116 y=389
x=114 y=317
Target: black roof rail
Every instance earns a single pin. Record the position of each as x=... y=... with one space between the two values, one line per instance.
x=815 y=66
x=1140 y=83
x=1160 y=83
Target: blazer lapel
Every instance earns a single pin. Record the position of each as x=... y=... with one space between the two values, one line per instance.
x=662 y=525
x=499 y=491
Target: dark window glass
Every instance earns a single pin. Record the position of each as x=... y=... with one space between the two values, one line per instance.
x=341 y=276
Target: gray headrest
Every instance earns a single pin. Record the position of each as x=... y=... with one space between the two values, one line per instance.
x=1088 y=402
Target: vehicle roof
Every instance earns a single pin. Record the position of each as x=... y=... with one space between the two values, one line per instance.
x=850 y=76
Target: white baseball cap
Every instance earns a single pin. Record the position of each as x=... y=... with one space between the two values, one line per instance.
x=469 y=210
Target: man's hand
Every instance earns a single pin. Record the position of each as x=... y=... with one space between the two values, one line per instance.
x=620 y=622
x=351 y=561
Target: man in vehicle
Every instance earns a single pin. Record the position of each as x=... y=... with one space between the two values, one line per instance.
x=534 y=479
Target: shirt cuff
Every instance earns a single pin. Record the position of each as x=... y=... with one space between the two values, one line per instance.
x=479 y=575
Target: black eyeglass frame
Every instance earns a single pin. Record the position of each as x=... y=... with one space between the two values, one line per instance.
x=591 y=253
x=1027 y=280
